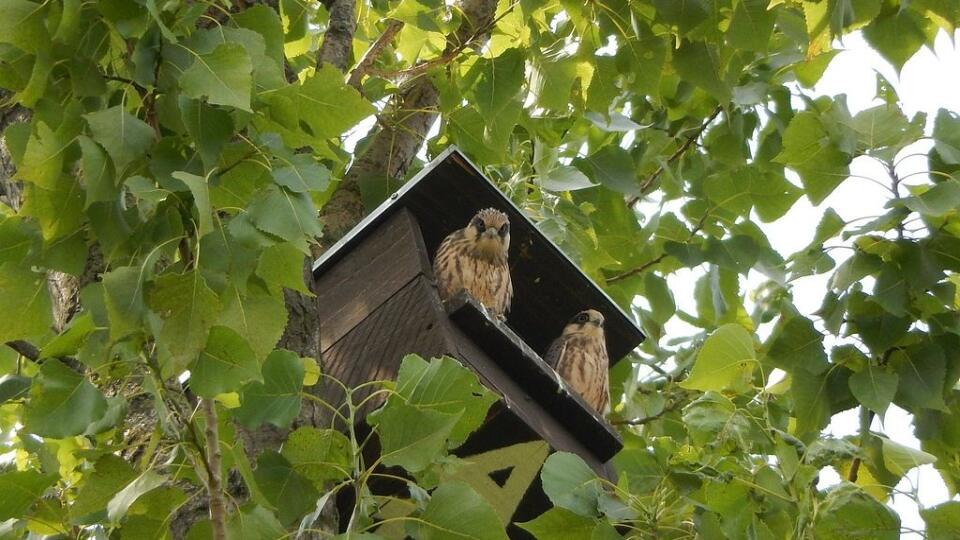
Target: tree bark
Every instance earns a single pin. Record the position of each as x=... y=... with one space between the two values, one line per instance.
x=338 y=39
x=402 y=131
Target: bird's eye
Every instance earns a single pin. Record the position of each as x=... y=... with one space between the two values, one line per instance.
x=504 y=229
x=478 y=223
x=582 y=318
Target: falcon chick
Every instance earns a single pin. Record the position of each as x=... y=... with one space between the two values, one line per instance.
x=579 y=355
x=474 y=259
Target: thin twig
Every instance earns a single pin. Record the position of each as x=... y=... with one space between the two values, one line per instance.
x=662 y=256
x=369 y=57
x=446 y=57
x=677 y=154
x=647 y=419
x=218 y=506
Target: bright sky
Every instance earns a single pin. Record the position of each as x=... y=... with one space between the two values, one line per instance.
x=928 y=82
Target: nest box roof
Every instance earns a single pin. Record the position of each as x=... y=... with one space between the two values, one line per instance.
x=549 y=288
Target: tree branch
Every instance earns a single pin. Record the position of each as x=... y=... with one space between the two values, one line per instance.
x=393 y=148
x=24 y=349
x=393 y=28
x=338 y=39
x=662 y=256
x=677 y=154
x=218 y=506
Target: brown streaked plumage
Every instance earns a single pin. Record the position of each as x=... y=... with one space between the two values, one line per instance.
x=474 y=259
x=579 y=355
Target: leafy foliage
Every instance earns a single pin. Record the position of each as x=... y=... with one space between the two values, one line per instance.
x=175 y=157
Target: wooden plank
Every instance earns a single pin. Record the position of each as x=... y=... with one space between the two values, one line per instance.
x=374 y=271
x=408 y=322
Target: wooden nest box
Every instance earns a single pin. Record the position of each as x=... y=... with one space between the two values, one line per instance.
x=378 y=302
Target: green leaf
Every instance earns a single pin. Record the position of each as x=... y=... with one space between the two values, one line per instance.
x=811 y=402
x=277 y=399
x=412 y=437
x=714 y=419
x=289 y=492
x=330 y=106
x=281 y=266
x=301 y=174
x=807 y=149
x=42 y=161
x=209 y=127
x=884 y=126
x=725 y=361
x=656 y=291
x=21 y=488
x=13 y=387
x=188 y=308
x=446 y=386
x=751 y=25
x=223 y=76
x=109 y=475
x=25 y=309
x=946 y=136
x=255 y=521
x=874 y=388
x=123 y=298
x=260 y=318
x=22 y=25
x=224 y=365
x=943 y=198
x=98 y=173
x=497 y=93
x=700 y=64
x=849 y=512
x=899 y=459
x=796 y=344
x=922 y=371
x=897 y=35
x=890 y=291
x=146 y=482
x=571 y=484
x=565 y=178
x=943 y=521
x=290 y=216
x=456 y=511
x=62 y=402
x=59 y=210
x=613 y=167
x=125 y=137
x=200 y=189
x=560 y=524
x=320 y=455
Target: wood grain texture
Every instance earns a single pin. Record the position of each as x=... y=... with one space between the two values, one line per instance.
x=367 y=277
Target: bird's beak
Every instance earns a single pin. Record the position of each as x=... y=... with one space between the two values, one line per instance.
x=490 y=233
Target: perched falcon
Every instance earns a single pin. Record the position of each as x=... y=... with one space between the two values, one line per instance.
x=580 y=356
x=474 y=259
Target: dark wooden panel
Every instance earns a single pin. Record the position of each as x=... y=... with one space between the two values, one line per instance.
x=410 y=321
x=520 y=402
x=548 y=287
x=524 y=369
x=373 y=272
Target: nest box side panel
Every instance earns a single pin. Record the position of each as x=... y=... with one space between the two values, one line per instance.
x=378 y=304
x=408 y=322
x=377 y=268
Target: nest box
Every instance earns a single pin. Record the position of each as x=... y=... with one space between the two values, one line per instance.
x=378 y=302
